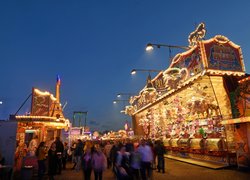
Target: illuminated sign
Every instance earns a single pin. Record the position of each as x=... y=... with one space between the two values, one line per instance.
x=42 y=103
x=75 y=132
x=223 y=57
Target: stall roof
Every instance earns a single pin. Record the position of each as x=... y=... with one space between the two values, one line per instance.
x=46 y=120
x=217 y=56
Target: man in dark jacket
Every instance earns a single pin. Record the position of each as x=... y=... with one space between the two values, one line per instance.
x=78 y=154
x=59 y=152
x=160 y=151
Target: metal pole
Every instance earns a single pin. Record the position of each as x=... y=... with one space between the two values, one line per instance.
x=85 y=121
x=23 y=104
x=73 y=124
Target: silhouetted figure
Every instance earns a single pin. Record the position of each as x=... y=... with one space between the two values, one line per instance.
x=99 y=162
x=41 y=158
x=160 y=151
x=52 y=161
x=59 y=153
x=86 y=163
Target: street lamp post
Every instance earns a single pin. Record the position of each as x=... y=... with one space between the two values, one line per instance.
x=133 y=71
x=150 y=47
x=123 y=101
x=120 y=100
x=149 y=84
x=126 y=94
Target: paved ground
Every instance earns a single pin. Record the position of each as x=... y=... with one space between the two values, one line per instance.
x=175 y=170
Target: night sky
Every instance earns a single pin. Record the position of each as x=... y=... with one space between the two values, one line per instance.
x=94 y=44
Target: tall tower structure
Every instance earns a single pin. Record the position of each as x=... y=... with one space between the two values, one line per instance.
x=57 y=108
x=58 y=84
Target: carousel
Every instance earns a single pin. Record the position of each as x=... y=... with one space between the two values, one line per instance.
x=199 y=105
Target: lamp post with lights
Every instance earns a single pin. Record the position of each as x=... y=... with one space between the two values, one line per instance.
x=150 y=47
x=124 y=94
x=127 y=96
x=149 y=84
x=120 y=100
x=134 y=71
x=123 y=101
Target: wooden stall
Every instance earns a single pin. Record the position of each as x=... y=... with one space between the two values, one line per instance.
x=45 y=122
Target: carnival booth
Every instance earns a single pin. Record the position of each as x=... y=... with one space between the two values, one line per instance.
x=44 y=123
x=189 y=104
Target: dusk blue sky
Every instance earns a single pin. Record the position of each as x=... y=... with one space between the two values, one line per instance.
x=94 y=44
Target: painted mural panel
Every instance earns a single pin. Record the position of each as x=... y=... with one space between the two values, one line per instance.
x=223 y=57
x=191 y=61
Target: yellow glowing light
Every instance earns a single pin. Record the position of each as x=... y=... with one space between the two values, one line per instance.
x=45 y=93
x=222 y=72
x=52 y=97
x=114 y=102
x=50 y=121
x=243 y=80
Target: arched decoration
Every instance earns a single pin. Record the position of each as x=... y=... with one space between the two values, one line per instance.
x=221 y=55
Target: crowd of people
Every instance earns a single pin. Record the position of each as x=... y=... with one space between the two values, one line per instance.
x=128 y=159
x=50 y=156
x=54 y=156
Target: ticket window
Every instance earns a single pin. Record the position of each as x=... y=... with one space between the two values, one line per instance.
x=29 y=135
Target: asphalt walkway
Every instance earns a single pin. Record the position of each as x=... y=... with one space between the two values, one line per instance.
x=175 y=170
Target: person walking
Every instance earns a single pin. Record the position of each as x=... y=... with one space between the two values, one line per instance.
x=107 y=149
x=123 y=168
x=146 y=160
x=78 y=154
x=59 y=152
x=86 y=163
x=52 y=161
x=41 y=158
x=160 y=151
x=113 y=156
x=135 y=163
x=99 y=162
x=65 y=155
x=73 y=159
